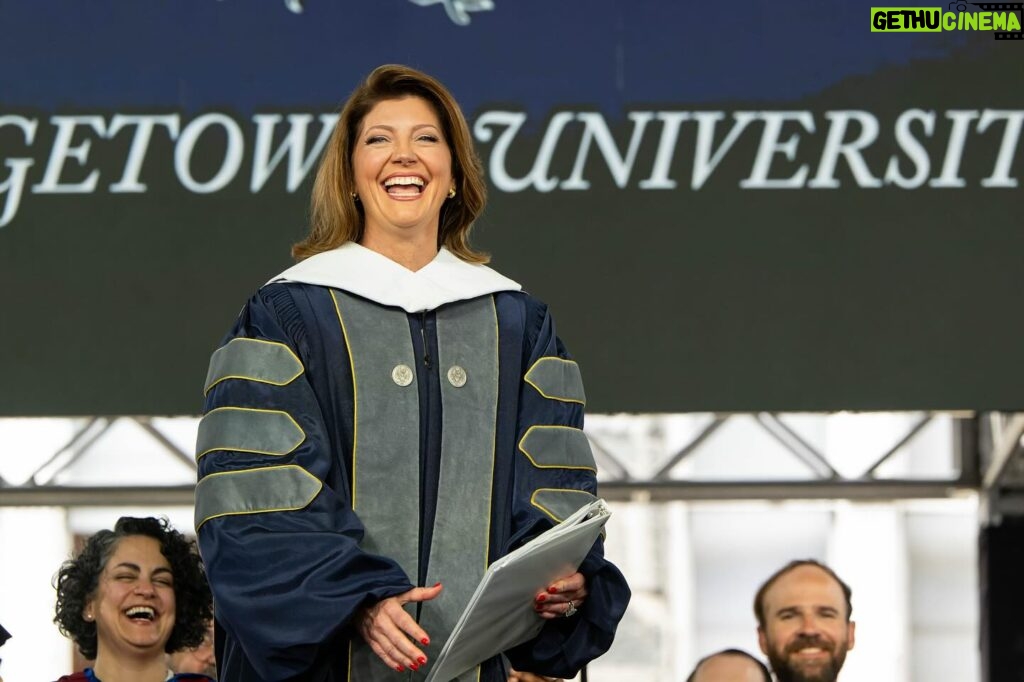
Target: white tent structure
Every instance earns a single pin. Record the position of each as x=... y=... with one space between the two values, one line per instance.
x=705 y=507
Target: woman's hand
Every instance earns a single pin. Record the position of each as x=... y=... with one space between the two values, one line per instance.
x=563 y=597
x=392 y=633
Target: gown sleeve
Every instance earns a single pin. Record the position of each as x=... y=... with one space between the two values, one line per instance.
x=273 y=507
x=555 y=475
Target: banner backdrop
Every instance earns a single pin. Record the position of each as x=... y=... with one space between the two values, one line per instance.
x=757 y=206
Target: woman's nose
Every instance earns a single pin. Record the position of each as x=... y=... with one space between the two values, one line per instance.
x=404 y=155
x=145 y=587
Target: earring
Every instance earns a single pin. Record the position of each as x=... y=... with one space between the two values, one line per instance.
x=88 y=617
x=355 y=197
x=451 y=192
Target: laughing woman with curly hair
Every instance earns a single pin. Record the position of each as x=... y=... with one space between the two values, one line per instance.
x=132 y=595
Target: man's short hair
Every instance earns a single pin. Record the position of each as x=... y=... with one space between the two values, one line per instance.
x=759 y=598
x=732 y=652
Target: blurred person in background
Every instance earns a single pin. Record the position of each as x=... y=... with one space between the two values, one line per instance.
x=4 y=636
x=517 y=676
x=803 y=622
x=384 y=410
x=132 y=595
x=730 y=665
x=198 y=659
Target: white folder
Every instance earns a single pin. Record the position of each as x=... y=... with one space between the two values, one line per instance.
x=500 y=613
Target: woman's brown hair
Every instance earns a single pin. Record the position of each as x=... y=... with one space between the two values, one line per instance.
x=336 y=217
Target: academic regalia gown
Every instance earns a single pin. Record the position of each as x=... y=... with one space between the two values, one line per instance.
x=367 y=429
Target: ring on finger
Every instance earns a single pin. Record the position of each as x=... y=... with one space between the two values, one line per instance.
x=569 y=612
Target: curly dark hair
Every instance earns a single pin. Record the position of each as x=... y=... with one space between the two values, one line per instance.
x=78 y=578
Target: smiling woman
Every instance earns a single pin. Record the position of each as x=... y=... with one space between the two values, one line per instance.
x=403 y=174
x=132 y=595
x=363 y=455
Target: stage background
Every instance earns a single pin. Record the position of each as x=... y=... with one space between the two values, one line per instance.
x=680 y=279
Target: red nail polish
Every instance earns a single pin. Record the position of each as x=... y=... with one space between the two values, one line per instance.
x=425 y=641
x=422 y=660
x=552 y=590
x=542 y=597
x=399 y=668
x=414 y=666
x=437 y=584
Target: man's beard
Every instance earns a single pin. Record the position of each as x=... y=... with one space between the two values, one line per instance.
x=795 y=671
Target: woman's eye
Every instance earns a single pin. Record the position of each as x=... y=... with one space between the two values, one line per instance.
x=428 y=138
x=375 y=139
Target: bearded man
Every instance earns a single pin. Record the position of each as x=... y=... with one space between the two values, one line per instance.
x=803 y=622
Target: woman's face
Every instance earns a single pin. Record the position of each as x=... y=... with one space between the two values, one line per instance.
x=403 y=169
x=133 y=605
